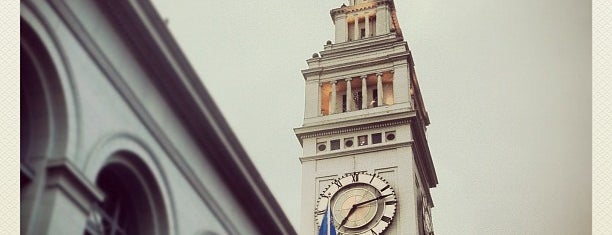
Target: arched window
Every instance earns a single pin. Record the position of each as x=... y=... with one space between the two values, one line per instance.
x=133 y=203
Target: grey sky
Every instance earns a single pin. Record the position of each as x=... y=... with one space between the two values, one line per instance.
x=506 y=84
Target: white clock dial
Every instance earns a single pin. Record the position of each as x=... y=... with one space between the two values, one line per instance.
x=361 y=203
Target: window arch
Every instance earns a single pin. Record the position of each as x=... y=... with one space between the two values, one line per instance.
x=43 y=115
x=133 y=203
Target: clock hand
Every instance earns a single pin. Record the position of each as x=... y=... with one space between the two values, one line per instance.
x=353 y=208
x=368 y=201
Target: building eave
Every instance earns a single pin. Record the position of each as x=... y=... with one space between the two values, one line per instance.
x=347 y=66
x=174 y=76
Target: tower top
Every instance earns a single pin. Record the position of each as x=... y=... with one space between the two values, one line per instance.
x=365 y=18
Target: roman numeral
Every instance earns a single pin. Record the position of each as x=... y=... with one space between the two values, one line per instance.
x=337 y=182
x=386 y=219
x=373 y=176
x=373 y=233
x=385 y=188
x=390 y=202
x=320 y=212
x=355 y=176
x=323 y=195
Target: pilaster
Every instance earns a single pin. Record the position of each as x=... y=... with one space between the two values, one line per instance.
x=66 y=198
x=341 y=28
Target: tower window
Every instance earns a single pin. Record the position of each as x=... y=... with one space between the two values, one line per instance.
x=390 y=135
x=321 y=146
x=376 y=138
x=362 y=33
x=348 y=142
x=335 y=144
x=362 y=140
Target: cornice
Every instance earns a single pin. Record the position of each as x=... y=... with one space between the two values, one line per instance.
x=378 y=39
x=369 y=115
x=354 y=128
x=360 y=7
x=366 y=47
x=63 y=175
x=423 y=156
x=148 y=38
x=396 y=117
x=374 y=148
x=347 y=66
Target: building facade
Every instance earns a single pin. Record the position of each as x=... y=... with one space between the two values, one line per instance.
x=365 y=152
x=118 y=134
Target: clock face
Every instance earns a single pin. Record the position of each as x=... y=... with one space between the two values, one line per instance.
x=361 y=203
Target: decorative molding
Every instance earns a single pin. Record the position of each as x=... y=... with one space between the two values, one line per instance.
x=62 y=174
x=139 y=109
x=369 y=149
x=152 y=43
x=378 y=74
x=322 y=70
x=360 y=7
x=359 y=47
x=354 y=128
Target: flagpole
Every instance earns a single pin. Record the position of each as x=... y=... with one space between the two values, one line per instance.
x=328 y=219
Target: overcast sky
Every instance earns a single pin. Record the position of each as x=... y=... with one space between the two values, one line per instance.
x=506 y=84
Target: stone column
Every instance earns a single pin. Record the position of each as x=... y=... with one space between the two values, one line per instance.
x=341 y=28
x=364 y=93
x=382 y=27
x=332 y=105
x=349 y=94
x=320 y=99
x=379 y=87
x=356 y=31
x=367 y=26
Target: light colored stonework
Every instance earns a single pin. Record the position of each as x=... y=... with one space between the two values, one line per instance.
x=110 y=102
x=335 y=112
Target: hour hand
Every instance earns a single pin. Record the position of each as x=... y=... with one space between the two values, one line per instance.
x=348 y=215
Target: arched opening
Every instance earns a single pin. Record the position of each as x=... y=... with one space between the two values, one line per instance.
x=31 y=118
x=42 y=106
x=133 y=203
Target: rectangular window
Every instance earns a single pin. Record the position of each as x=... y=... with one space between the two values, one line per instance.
x=362 y=140
x=362 y=33
x=376 y=138
x=335 y=144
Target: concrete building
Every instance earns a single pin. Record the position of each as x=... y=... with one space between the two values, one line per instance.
x=118 y=134
x=365 y=152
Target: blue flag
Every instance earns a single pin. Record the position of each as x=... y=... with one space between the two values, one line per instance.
x=327 y=225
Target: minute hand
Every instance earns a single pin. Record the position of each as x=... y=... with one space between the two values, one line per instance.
x=371 y=200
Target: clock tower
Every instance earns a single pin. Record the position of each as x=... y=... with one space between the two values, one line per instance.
x=365 y=152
